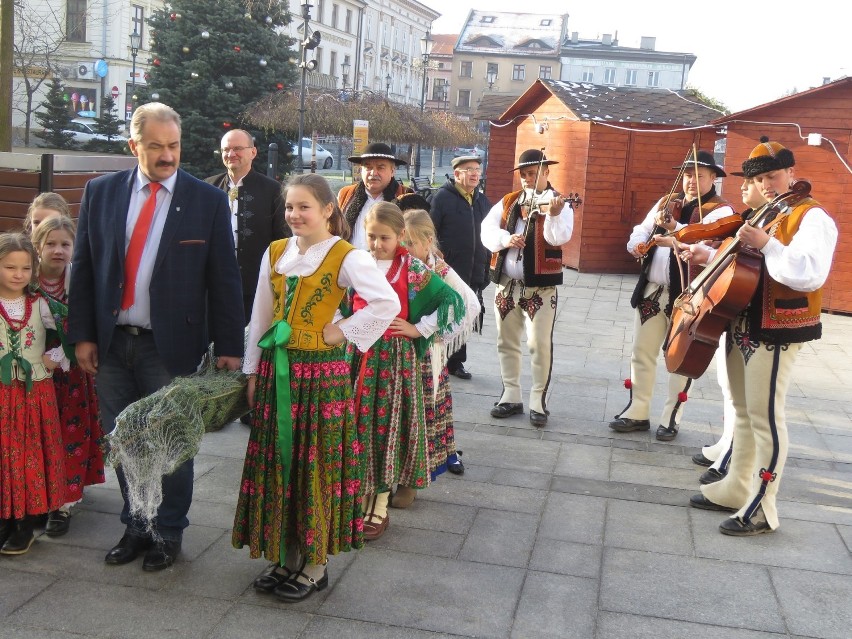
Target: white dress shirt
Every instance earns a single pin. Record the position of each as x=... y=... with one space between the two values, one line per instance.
x=359 y=233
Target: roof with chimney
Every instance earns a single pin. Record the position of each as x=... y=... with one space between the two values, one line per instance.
x=516 y=34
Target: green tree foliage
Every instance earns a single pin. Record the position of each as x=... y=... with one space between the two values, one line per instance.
x=54 y=117
x=211 y=58
x=713 y=103
x=109 y=125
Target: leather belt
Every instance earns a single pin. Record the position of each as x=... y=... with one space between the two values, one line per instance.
x=134 y=330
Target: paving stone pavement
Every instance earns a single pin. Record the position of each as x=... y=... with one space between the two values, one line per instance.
x=568 y=531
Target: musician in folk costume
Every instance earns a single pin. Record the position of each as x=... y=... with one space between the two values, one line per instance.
x=797 y=246
x=378 y=184
x=526 y=265
x=659 y=286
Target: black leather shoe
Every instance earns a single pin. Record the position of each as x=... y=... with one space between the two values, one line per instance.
x=538 y=419
x=666 y=434
x=700 y=501
x=626 y=425
x=457 y=467
x=6 y=529
x=699 y=459
x=507 y=409
x=711 y=476
x=737 y=528
x=20 y=540
x=460 y=372
x=294 y=590
x=161 y=556
x=127 y=549
x=271 y=578
x=246 y=419
x=58 y=522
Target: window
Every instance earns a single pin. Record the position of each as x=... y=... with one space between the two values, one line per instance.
x=464 y=99
x=545 y=23
x=439 y=90
x=466 y=70
x=544 y=72
x=75 y=20
x=492 y=69
x=369 y=27
x=518 y=72
x=320 y=10
x=349 y=21
x=318 y=57
x=609 y=76
x=334 y=9
x=630 y=79
x=653 y=78
x=486 y=19
x=138 y=19
x=332 y=63
x=588 y=74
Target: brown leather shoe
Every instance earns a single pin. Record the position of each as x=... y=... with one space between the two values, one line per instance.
x=375 y=527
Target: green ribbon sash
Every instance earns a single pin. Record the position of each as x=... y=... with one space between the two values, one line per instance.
x=276 y=339
x=6 y=375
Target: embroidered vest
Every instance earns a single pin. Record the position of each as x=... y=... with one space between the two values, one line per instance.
x=314 y=299
x=542 y=262
x=28 y=344
x=778 y=313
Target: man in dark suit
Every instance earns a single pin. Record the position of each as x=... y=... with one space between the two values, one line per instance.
x=154 y=281
x=257 y=208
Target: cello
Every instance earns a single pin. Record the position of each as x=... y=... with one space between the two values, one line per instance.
x=714 y=299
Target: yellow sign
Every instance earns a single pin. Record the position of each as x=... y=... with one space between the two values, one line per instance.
x=360 y=136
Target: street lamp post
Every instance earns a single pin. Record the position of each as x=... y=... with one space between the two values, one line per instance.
x=491 y=78
x=425 y=50
x=135 y=45
x=308 y=42
x=344 y=69
x=388 y=82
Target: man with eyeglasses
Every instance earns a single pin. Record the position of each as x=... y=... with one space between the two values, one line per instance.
x=257 y=208
x=458 y=209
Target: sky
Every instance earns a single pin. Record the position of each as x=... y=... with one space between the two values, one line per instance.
x=749 y=53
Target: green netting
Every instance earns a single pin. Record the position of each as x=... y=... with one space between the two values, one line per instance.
x=153 y=436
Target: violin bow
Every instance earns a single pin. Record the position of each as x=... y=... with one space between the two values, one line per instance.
x=532 y=202
x=695 y=164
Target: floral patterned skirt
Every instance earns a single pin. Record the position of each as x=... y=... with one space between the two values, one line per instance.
x=439 y=418
x=391 y=419
x=81 y=430
x=319 y=508
x=32 y=468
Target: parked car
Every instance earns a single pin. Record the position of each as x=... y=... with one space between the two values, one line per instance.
x=477 y=150
x=325 y=160
x=84 y=131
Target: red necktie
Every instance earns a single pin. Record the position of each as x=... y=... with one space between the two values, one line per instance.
x=137 y=245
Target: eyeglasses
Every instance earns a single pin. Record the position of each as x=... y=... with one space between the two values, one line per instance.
x=469 y=171
x=234 y=149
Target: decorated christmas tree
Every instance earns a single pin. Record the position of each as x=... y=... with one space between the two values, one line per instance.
x=210 y=60
x=110 y=126
x=55 y=118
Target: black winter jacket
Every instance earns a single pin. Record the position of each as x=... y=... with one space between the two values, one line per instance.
x=458 y=230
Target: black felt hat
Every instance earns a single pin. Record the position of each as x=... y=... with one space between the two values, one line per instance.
x=705 y=159
x=377 y=151
x=768 y=156
x=531 y=157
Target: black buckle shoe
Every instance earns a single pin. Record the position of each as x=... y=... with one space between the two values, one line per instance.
x=736 y=527
x=127 y=549
x=538 y=419
x=711 y=476
x=456 y=467
x=161 y=556
x=460 y=372
x=627 y=425
x=666 y=434
x=58 y=522
x=294 y=590
x=272 y=577
x=700 y=501
x=700 y=460
x=507 y=409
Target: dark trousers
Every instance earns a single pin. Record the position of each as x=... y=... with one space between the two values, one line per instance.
x=457 y=359
x=130 y=370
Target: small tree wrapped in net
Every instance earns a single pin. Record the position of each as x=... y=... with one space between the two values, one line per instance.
x=156 y=434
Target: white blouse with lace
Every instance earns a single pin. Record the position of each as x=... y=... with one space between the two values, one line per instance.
x=358 y=271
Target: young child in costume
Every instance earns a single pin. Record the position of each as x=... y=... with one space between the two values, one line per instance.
x=389 y=387
x=75 y=390
x=44 y=207
x=438 y=401
x=32 y=470
x=300 y=494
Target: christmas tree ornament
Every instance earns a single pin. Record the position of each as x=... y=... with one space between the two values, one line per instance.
x=229 y=85
x=279 y=86
x=193 y=75
x=156 y=62
x=262 y=62
x=185 y=49
x=247 y=16
x=268 y=20
x=237 y=48
x=155 y=96
x=205 y=34
x=227 y=125
x=174 y=16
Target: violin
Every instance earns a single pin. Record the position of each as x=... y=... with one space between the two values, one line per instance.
x=698 y=232
x=717 y=296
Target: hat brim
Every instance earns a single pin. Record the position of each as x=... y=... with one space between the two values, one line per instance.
x=737 y=174
x=524 y=165
x=360 y=159
x=718 y=170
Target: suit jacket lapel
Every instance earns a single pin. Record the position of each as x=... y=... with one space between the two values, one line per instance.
x=173 y=221
x=121 y=211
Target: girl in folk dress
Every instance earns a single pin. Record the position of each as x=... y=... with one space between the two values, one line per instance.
x=44 y=207
x=389 y=387
x=300 y=494
x=32 y=472
x=438 y=401
x=75 y=390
